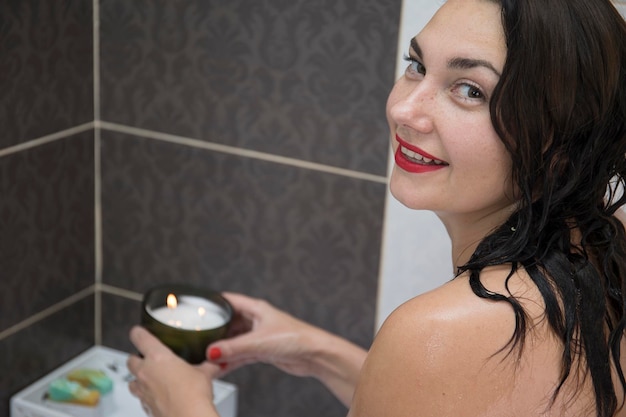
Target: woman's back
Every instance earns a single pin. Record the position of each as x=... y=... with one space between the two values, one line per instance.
x=446 y=353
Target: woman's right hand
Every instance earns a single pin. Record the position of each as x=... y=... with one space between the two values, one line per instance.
x=262 y=333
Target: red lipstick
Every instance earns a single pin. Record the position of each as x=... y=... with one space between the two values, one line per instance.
x=418 y=164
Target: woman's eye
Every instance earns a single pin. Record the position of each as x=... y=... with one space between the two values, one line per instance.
x=415 y=67
x=470 y=92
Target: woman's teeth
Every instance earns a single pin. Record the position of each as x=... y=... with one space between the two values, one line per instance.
x=419 y=158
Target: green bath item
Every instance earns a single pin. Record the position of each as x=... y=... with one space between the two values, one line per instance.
x=92 y=378
x=64 y=390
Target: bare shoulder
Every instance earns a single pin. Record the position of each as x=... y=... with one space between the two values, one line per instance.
x=441 y=353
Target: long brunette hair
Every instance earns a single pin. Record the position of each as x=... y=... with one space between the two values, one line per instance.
x=560 y=109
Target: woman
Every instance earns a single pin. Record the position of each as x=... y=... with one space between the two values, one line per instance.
x=509 y=124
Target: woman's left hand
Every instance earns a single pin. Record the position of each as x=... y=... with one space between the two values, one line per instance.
x=166 y=385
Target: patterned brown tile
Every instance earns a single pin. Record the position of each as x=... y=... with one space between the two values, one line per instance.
x=46 y=226
x=46 y=62
x=177 y=214
x=301 y=79
x=119 y=314
x=307 y=241
x=294 y=78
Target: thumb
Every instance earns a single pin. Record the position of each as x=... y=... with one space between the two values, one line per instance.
x=145 y=342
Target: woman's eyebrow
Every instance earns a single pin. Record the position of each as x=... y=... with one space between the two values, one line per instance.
x=459 y=62
x=467 y=63
x=415 y=47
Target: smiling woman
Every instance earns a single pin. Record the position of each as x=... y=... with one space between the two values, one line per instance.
x=509 y=123
x=535 y=297
x=440 y=110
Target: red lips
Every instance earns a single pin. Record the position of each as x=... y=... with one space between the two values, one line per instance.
x=414 y=165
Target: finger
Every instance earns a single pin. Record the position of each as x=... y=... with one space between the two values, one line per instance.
x=236 y=297
x=228 y=367
x=243 y=347
x=208 y=369
x=133 y=363
x=145 y=342
x=146 y=409
x=248 y=307
x=134 y=388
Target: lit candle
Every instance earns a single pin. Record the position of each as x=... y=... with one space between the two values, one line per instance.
x=186 y=319
x=190 y=313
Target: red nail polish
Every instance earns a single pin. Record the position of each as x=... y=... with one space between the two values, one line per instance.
x=223 y=366
x=215 y=353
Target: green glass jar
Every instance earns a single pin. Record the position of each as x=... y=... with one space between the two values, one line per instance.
x=186 y=319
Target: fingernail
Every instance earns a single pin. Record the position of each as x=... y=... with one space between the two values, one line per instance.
x=223 y=365
x=215 y=353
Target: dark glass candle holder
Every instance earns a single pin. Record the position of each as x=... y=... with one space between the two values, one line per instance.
x=186 y=319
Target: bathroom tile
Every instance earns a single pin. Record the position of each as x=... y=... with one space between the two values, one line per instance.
x=267 y=391
x=46 y=62
x=33 y=352
x=46 y=226
x=301 y=79
x=305 y=240
x=172 y=213
x=119 y=314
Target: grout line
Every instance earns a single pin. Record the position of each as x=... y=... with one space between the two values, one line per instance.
x=109 y=289
x=196 y=143
x=97 y=324
x=97 y=176
x=47 y=139
x=98 y=267
x=96 y=60
x=47 y=312
x=97 y=236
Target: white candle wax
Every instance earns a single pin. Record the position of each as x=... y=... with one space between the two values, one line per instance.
x=191 y=313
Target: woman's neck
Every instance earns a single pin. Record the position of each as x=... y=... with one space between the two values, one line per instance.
x=467 y=231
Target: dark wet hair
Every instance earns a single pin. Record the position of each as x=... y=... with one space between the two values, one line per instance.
x=560 y=109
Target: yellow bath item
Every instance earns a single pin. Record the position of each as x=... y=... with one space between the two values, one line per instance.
x=64 y=390
x=92 y=378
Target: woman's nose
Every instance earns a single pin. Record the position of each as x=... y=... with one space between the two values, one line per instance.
x=413 y=105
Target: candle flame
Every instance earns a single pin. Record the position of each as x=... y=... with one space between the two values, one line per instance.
x=201 y=311
x=172 y=302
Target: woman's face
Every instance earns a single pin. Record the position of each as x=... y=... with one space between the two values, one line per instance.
x=448 y=157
